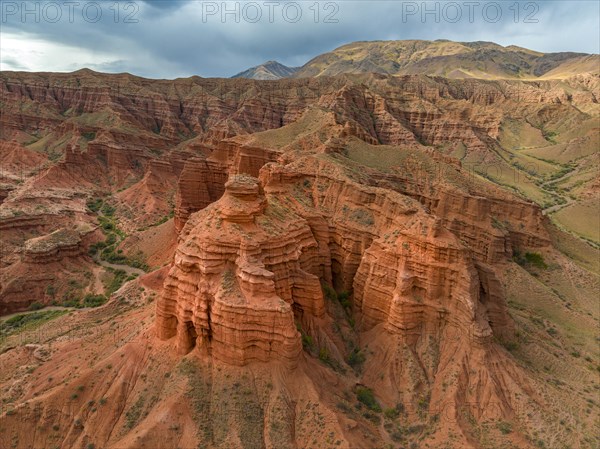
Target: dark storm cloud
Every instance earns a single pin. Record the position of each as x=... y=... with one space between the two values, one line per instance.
x=183 y=38
x=165 y=5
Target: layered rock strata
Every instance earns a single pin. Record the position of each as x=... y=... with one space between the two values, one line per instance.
x=238 y=272
x=53 y=247
x=201 y=183
x=258 y=260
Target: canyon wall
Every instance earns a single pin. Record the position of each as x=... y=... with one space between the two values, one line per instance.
x=271 y=252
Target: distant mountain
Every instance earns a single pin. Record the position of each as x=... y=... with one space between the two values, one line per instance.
x=483 y=60
x=448 y=59
x=270 y=70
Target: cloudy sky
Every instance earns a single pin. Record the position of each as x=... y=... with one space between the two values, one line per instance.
x=171 y=39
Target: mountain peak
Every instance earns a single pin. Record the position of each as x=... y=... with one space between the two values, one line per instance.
x=270 y=70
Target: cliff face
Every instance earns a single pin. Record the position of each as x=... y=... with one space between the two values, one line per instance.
x=238 y=272
x=372 y=231
x=402 y=265
x=492 y=222
x=201 y=183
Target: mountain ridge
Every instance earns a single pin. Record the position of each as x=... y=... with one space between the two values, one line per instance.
x=479 y=59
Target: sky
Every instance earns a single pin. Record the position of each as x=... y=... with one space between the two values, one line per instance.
x=171 y=39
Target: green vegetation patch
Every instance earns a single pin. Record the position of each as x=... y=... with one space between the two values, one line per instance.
x=530 y=259
x=356 y=358
x=94 y=300
x=118 y=279
x=366 y=396
x=25 y=321
x=107 y=249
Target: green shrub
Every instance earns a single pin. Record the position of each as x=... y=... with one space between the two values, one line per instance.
x=375 y=419
x=17 y=322
x=510 y=345
x=107 y=225
x=89 y=135
x=424 y=402
x=36 y=306
x=396 y=435
x=72 y=302
x=344 y=299
x=391 y=413
x=356 y=358
x=366 y=396
x=329 y=292
x=108 y=210
x=530 y=259
x=323 y=355
x=134 y=413
x=119 y=277
x=307 y=341
x=95 y=204
x=505 y=427
x=90 y=300
x=536 y=260
x=72 y=298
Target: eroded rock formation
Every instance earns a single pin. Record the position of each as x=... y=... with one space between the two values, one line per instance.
x=201 y=183
x=238 y=272
x=271 y=252
x=53 y=247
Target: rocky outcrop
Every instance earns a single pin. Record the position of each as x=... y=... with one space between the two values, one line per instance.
x=202 y=180
x=49 y=268
x=315 y=225
x=24 y=288
x=10 y=221
x=201 y=183
x=19 y=162
x=383 y=244
x=5 y=190
x=239 y=271
x=53 y=247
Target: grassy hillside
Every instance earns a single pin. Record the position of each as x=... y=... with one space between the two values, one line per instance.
x=449 y=59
